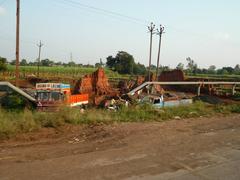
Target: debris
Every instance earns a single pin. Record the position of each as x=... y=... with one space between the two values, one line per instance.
x=97 y=86
x=96 y=83
x=177 y=117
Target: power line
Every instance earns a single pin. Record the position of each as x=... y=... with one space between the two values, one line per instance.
x=104 y=12
x=107 y=11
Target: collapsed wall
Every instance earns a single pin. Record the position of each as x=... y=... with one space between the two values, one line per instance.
x=96 y=85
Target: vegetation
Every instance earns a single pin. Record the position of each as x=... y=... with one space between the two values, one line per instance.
x=120 y=66
x=62 y=71
x=3 y=64
x=124 y=63
x=192 y=68
x=13 y=123
x=13 y=102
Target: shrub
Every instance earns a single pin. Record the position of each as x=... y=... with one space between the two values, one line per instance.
x=13 y=102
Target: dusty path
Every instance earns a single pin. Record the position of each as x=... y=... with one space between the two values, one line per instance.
x=204 y=148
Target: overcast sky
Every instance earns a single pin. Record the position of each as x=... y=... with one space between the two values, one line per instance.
x=207 y=31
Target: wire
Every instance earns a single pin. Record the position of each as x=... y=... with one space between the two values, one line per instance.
x=107 y=11
x=104 y=12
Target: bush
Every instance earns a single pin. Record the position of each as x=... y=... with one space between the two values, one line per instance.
x=3 y=64
x=13 y=102
x=235 y=108
x=12 y=123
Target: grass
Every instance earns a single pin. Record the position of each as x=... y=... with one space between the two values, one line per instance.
x=13 y=123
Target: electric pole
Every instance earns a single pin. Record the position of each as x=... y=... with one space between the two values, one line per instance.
x=151 y=30
x=17 y=41
x=159 y=32
x=40 y=45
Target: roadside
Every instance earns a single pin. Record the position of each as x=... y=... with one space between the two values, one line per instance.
x=14 y=123
x=177 y=149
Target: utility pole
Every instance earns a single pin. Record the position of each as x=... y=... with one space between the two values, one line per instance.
x=40 y=45
x=159 y=32
x=151 y=30
x=17 y=41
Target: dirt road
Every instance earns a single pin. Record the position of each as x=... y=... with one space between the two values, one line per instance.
x=204 y=148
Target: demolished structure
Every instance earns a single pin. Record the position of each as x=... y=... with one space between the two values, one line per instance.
x=96 y=85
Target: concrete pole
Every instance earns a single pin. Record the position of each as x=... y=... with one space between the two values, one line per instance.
x=234 y=89
x=199 y=90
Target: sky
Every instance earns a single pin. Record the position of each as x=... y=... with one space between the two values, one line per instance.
x=207 y=31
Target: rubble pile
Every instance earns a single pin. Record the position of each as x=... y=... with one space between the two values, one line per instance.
x=100 y=83
x=96 y=85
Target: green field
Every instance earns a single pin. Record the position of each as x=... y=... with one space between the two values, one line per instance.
x=76 y=72
x=61 y=71
x=215 y=76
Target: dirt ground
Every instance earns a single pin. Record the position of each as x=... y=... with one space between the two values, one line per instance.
x=177 y=149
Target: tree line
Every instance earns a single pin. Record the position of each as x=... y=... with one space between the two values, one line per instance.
x=124 y=63
x=192 y=68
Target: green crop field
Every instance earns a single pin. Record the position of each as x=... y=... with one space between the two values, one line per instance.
x=216 y=76
x=60 y=71
x=76 y=72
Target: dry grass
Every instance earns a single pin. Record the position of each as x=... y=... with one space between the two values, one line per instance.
x=12 y=123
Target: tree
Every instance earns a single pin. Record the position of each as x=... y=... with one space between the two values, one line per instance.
x=59 y=63
x=237 y=69
x=23 y=62
x=98 y=65
x=13 y=62
x=123 y=63
x=71 y=64
x=230 y=70
x=47 y=62
x=164 y=68
x=33 y=63
x=180 y=66
x=192 y=66
x=139 y=69
x=212 y=69
x=3 y=64
x=111 y=62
